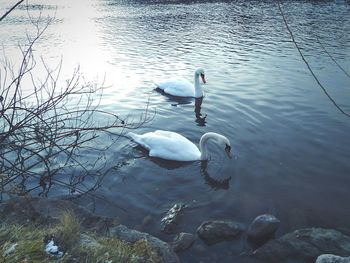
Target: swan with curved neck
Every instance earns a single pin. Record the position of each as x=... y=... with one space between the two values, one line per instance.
x=184 y=88
x=218 y=139
x=173 y=146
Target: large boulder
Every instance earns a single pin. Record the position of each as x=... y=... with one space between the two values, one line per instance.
x=216 y=231
x=304 y=245
x=262 y=228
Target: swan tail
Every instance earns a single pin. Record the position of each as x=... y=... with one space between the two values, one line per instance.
x=156 y=84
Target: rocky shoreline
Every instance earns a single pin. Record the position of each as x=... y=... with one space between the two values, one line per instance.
x=303 y=245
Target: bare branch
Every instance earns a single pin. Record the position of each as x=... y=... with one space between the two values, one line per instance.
x=10 y=10
x=43 y=133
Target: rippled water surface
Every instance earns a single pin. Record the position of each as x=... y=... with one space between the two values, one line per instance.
x=291 y=144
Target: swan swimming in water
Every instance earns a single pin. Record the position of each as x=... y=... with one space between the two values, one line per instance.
x=182 y=87
x=173 y=146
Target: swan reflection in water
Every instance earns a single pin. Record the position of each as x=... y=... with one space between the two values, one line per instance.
x=176 y=101
x=197 y=110
x=222 y=182
x=215 y=183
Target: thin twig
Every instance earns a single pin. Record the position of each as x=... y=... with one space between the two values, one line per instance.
x=10 y=10
x=332 y=58
x=308 y=66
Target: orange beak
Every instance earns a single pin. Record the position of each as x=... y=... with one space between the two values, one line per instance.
x=203 y=78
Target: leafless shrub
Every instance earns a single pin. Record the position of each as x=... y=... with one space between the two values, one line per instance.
x=45 y=128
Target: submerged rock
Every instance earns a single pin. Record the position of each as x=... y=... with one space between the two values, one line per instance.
x=146 y=220
x=171 y=219
x=183 y=241
x=262 y=228
x=304 y=245
x=329 y=258
x=216 y=231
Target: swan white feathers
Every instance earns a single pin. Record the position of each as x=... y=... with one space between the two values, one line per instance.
x=182 y=87
x=173 y=146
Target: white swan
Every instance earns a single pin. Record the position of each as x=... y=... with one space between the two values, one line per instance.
x=182 y=87
x=173 y=146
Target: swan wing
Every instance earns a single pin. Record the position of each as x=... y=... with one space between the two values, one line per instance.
x=177 y=87
x=168 y=145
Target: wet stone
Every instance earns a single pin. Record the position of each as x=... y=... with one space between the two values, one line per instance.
x=216 y=231
x=263 y=228
x=329 y=258
x=304 y=245
x=183 y=241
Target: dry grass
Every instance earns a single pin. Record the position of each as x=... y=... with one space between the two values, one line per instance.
x=30 y=241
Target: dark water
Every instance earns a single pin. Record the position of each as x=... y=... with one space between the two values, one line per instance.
x=291 y=143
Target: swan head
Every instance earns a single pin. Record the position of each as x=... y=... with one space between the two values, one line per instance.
x=228 y=151
x=227 y=146
x=200 y=72
x=220 y=140
x=224 y=142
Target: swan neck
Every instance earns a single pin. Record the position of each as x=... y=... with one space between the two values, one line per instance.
x=197 y=87
x=203 y=146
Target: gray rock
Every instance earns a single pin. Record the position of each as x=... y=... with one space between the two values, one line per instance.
x=171 y=219
x=131 y=236
x=215 y=231
x=329 y=258
x=304 y=245
x=183 y=241
x=262 y=228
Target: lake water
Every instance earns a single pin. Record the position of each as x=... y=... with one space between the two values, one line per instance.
x=290 y=143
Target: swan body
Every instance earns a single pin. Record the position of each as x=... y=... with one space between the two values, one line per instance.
x=173 y=146
x=182 y=87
